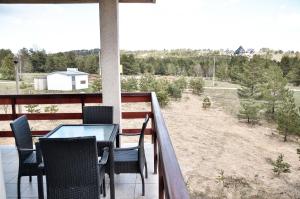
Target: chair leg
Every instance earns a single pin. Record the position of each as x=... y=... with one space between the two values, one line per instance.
x=40 y=186
x=30 y=179
x=146 y=170
x=104 y=189
x=143 y=184
x=19 y=187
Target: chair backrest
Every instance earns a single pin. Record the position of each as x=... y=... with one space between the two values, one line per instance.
x=97 y=115
x=145 y=123
x=22 y=133
x=71 y=167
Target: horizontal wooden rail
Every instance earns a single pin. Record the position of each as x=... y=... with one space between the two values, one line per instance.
x=148 y=131
x=71 y=98
x=171 y=183
x=68 y=116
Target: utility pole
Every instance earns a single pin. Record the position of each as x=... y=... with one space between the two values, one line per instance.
x=16 y=61
x=214 y=71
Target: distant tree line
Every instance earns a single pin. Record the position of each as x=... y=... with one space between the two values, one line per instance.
x=38 y=61
x=175 y=62
x=228 y=68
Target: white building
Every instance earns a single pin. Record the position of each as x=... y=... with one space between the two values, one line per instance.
x=72 y=79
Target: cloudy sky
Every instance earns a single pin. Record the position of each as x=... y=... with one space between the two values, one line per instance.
x=168 y=24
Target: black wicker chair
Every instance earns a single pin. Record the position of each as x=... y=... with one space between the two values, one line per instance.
x=132 y=159
x=97 y=115
x=28 y=161
x=72 y=169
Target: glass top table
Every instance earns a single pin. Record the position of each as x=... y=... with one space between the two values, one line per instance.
x=102 y=132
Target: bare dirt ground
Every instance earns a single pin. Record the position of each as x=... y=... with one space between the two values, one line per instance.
x=211 y=140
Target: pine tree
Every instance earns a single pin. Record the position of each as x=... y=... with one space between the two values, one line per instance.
x=273 y=89
x=130 y=65
x=249 y=111
x=288 y=118
x=294 y=74
x=7 y=68
x=250 y=80
x=280 y=166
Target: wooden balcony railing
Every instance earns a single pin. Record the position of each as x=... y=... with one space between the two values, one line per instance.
x=171 y=183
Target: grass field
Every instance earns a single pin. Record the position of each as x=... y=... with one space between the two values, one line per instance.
x=226 y=97
x=218 y=84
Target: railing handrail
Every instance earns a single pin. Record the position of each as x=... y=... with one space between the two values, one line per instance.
x=89 y=97
x=174 y=185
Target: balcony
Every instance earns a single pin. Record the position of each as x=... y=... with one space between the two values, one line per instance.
x=165 y=179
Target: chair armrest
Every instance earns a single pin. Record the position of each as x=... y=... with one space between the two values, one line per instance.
x=126 y=149
x=37 y=136
x=22 y=149
x=129 y=134
x=104 y=157
x=41 y=166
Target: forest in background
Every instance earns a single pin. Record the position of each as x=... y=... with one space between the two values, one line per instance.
x=228 y=67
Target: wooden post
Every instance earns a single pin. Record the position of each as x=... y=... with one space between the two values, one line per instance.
x=160 y=179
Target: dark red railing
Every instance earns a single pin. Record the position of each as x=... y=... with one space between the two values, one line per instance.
x=171 y=183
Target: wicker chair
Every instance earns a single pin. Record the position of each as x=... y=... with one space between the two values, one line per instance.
x=71 y=167
x=97 y=115
x=28 y=161
x=133 y=159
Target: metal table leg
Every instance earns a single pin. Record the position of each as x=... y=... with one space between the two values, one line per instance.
x=112 y=171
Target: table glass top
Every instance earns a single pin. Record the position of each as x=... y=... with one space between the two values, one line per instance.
x=102 y=132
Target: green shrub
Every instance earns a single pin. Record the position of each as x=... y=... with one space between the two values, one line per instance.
x=129 y=84
x=174 y=91
x=206 y=102
x=280 y=166
x=249 y=111
x=147 y=83
x=163 y=98
x=96 y=85
x=161 y=90
x=221 y=177
x=181 y=83
x=51 y=109
x=288 y=117
x=23 y=85
x=32 y=108
x=197 y=84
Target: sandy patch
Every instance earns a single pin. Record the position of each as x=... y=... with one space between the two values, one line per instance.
x=208 y=141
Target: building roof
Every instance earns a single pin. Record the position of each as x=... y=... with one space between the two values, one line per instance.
x=68 y=1
x=239 y=51
x=69 y=73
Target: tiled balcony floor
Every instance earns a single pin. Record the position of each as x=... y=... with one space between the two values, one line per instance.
x=128 y=186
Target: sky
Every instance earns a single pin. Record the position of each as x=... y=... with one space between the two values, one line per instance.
x=168 y=24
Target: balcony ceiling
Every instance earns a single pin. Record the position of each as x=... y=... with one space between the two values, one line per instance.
x=67 y=1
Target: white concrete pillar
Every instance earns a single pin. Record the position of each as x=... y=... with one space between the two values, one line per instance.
x=110 y=55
